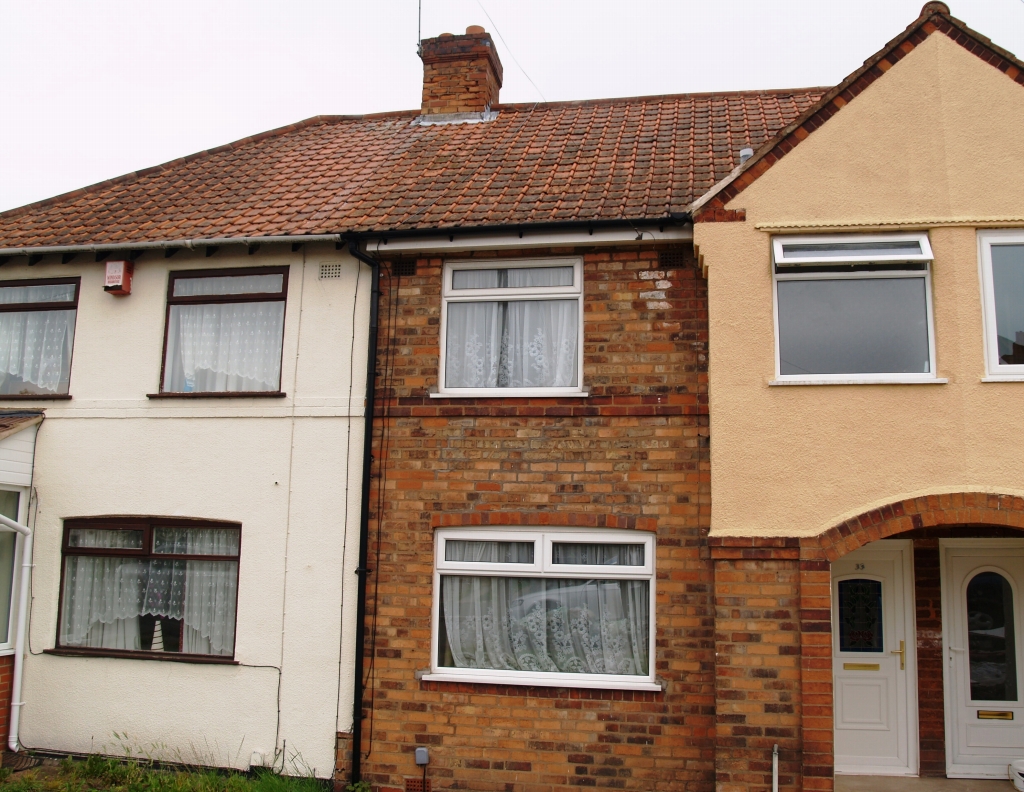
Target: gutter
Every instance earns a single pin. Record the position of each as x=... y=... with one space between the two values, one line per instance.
x=364 y=510
x=166 y=244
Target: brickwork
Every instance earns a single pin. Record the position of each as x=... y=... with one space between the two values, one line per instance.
x=930 y=707
x=461 y=74
x=6 y=679
x=632 y=455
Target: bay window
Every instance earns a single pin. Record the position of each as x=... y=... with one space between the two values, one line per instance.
x=512 y=328
x=162 y=587
x=555 y=608
x=37 y=336
x=853 y=308
x=225 y=330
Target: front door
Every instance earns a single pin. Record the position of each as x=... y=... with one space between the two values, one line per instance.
x=983 y=580
x=874 y=662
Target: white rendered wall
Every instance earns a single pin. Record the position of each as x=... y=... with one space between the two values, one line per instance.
x=287 y=469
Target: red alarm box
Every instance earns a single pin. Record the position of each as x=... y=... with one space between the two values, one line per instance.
x=119 y=277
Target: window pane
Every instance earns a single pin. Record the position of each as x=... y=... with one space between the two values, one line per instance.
x=845 y=250
x=116 y=603
x=1008 y=286
x=519 y=344
x=604 y=554
x=488 y=552
x=102 y=537
x=991 y=639
x=545 y=624
x=854 y=326
x=228 y=284
x=860 y=615
x=35 y=351
x=224 y=347
x=196 y=541
x=54 y=292
x=511 y=278
x=8 y=541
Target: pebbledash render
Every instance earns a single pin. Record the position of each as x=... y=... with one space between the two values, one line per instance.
x=566 y=326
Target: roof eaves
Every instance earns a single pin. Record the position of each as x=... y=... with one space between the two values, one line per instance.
x=934 y=17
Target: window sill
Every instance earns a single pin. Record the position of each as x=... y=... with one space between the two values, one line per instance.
x=173 y=657
x=601 y=682
x=1004 y=378
x=220 y=395
x=865 y=381
x=35 y=396
x=512 y=393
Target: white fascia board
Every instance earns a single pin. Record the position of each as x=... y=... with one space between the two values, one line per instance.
x=455 y=241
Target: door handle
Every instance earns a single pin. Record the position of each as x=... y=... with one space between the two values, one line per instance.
x=902 y=652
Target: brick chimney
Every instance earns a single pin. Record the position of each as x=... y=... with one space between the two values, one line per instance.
x=461 y=74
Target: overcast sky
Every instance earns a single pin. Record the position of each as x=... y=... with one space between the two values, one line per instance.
x=91 y=89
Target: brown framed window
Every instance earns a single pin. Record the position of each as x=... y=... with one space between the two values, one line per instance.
x=153 y=587
x=224 y=331
x=37 y=336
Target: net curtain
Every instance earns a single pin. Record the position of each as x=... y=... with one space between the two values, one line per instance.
x=216 y=347
x=545 y=624
x=514 y=344
x=103 y=597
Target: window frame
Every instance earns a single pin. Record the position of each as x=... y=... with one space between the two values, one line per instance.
x=7 y=647
x=543 y=568
x=819 y=269
x=450 y=295
x=218 y=299
x=66 y=305
x=146 y=525
x=994 y=370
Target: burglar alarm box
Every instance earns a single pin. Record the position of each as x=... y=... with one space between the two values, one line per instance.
x=119 y=277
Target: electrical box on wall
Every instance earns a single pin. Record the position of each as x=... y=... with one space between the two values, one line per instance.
x=119 y=277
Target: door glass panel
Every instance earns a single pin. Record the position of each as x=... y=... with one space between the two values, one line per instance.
x=8 y=539
x=860 y=615
x=991 y=642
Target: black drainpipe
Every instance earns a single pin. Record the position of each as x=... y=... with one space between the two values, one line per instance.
x=364 y=511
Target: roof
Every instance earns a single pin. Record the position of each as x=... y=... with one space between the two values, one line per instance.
x=934 y=17
x=13 y=421
x=638 y=159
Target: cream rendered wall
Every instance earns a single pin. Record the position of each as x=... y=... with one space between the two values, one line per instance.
x=934 y=144
x=287 y=469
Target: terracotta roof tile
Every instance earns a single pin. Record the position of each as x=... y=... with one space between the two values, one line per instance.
x=638 y=158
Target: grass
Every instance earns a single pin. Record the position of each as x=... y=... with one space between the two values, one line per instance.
x=99 y=774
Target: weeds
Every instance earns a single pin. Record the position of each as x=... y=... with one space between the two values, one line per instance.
x=100 y=774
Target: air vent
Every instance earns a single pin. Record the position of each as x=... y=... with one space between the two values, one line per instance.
x=417 y=785
x=671 y=259
x=403 y=269
x=330 y=271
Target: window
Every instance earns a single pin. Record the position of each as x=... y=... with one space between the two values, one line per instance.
x=14 y=506
x=224 y=331
x=161 y=587
x=1002 y=276
x=512 y=328
x=545 y=608
x=853 y=308
x=37 y=335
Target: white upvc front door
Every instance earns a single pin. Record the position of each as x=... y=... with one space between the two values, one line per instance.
x=983 y=581
x=874 y=661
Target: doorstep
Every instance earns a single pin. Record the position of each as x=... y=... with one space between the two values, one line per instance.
x=846 y=783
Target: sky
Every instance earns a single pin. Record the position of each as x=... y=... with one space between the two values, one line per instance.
x=91 y=89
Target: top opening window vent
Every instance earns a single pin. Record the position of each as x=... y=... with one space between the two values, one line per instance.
x=874 y=249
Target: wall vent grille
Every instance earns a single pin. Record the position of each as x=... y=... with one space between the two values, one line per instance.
x=330 y=271
x=671 y=259
x=417 y=785
x=403 y=269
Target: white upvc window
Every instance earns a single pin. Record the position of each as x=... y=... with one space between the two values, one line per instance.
x=558 y=607
x=853 y=308
x=14 y=506
x=512 y=328
x=1001 y=255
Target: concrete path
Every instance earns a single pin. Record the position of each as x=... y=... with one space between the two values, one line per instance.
x=891 y=784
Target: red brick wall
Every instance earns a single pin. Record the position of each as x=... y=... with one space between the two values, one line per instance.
x=632 y=455
x=930 y=706
x=6 y=678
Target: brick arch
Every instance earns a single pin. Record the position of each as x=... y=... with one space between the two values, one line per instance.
x=785 y=687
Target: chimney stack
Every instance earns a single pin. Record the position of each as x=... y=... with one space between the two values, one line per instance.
x=461 y=74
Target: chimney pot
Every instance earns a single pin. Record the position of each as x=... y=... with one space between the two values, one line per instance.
x=461 y=74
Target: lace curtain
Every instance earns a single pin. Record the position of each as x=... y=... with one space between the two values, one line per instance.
x=514 y=343
x=542 y=624
x=35 y=350
x=104 y=597
x=218 y=347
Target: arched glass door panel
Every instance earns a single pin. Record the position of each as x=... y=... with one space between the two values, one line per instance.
x=991 y=640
